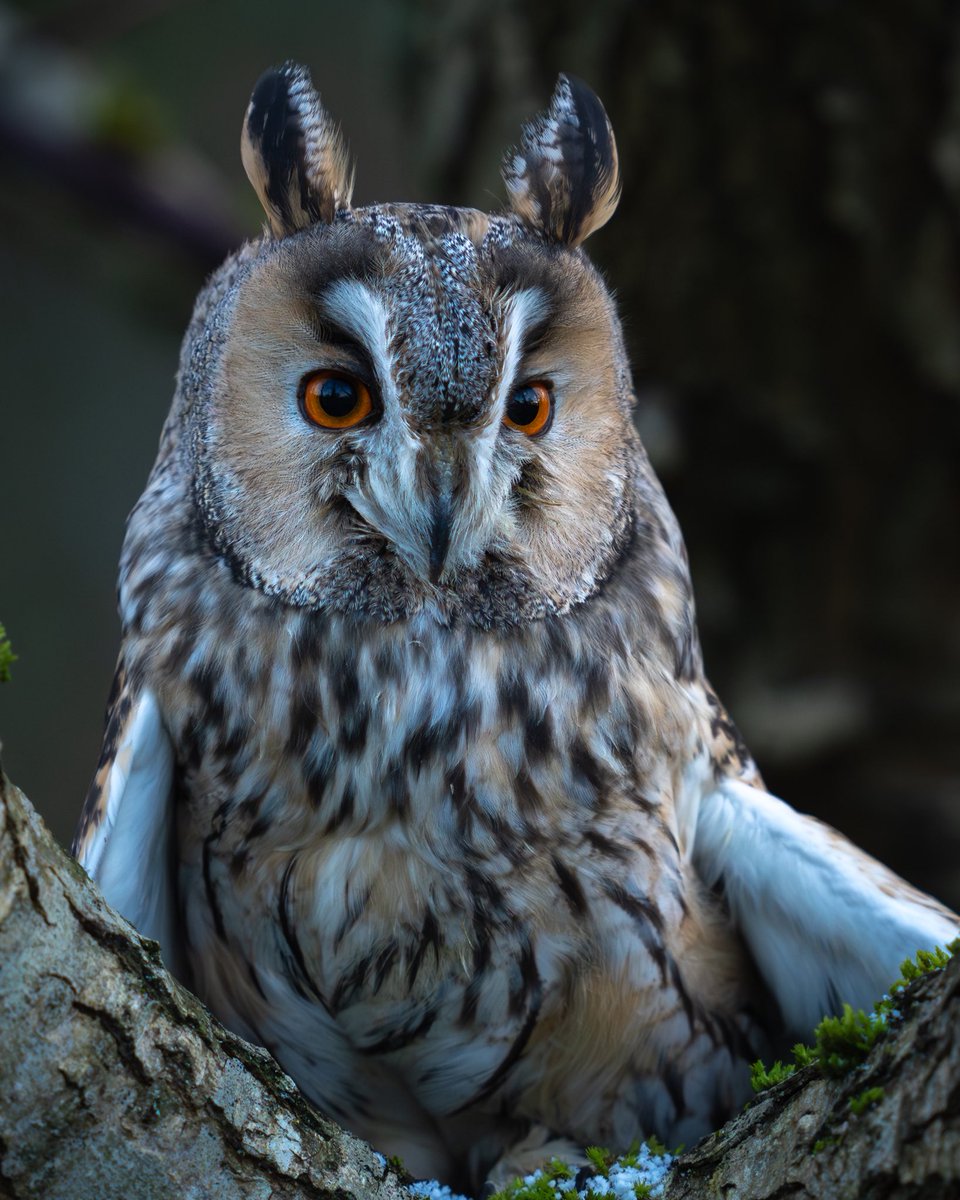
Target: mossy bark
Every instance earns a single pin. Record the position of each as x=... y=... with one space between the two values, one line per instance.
x=803 y=1138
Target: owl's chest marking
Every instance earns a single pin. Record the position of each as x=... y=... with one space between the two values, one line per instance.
x=425 y=840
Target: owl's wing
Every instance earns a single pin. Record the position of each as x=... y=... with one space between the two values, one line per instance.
x=125 y=836
x=826 y=923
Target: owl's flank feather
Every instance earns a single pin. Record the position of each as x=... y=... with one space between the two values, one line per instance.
x=411 y=764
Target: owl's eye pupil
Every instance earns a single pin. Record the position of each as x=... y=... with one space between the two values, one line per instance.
x=337 y=396
x=524 y=406
x=530 y=408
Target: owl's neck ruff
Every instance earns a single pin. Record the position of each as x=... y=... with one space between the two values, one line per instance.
x=371 y=582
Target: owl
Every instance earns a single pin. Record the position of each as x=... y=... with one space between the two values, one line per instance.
x=410 y=765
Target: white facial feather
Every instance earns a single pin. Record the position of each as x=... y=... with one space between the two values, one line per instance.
x=389 y=495
x=523 y=312
x=362 y=313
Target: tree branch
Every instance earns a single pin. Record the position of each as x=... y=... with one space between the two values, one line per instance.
x=804 y=1138
x=115 y=1082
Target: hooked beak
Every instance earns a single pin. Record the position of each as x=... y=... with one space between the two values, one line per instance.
x=441 y=521
x=430 y=503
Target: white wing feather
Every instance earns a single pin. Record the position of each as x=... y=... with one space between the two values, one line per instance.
x=128 y=850
x=825 y=923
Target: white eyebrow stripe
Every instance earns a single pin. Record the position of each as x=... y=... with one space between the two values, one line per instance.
x=362 y=313
x=526 y=309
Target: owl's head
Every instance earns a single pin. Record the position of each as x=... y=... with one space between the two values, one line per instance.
x=403 y=405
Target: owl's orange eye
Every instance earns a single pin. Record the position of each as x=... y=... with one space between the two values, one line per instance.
x=335 y=400
x=530 y=409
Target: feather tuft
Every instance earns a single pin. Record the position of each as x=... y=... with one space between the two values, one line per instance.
x=563 y=181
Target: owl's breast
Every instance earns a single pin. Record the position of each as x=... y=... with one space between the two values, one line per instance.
x=369 y=945
x=462 y=973
x=417 y=847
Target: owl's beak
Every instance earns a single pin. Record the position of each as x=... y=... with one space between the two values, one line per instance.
x=424 y=501
x=441 y=521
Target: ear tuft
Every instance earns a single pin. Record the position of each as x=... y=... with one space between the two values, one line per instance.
x=293 y=153
x=563 y=180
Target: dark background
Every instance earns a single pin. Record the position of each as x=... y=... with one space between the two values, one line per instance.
x=787 y=261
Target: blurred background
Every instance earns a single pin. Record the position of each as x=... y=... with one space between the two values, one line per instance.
x=787 y=261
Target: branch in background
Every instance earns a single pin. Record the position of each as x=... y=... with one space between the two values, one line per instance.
x=90 y=22
x=118 y=187
x=103 y=142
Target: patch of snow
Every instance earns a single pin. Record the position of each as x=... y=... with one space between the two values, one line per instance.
x=431 y=1190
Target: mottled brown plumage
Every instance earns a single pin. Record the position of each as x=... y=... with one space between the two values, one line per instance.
x=412 y=758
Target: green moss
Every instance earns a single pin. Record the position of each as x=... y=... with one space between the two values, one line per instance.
x=543 y=1187
x=804 y=1056
x=823 y=1143
x=842 y=1043
x=925 y=962
x=395 y=1163
x=631 y=1158
x=761 y=1078
x=866 y=1099
x=7 y=656
x=600 y=1159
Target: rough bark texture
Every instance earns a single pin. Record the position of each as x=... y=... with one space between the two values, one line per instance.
x=115 y=1082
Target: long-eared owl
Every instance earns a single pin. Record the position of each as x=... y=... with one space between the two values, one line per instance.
x=410 y=763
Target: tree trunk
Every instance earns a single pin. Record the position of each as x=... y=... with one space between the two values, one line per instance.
x=115 y=1082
